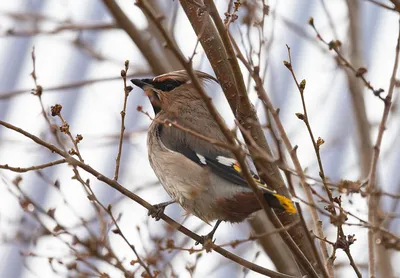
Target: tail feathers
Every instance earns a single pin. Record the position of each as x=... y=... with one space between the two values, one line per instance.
x=278 y=201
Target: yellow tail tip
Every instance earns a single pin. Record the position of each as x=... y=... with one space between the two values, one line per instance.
x=286 y=203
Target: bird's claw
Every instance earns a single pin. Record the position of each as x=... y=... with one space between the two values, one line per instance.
x=157 y=211
x=205 y=238
x=209 y=237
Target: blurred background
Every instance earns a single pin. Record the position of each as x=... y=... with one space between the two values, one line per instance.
x=80 y=52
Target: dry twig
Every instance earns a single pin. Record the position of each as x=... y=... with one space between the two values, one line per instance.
x=127 y=90
x=372 y=199
x=114 y=184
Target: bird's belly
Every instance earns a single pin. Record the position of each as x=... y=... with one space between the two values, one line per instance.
x=202 y=193
x=188 y=185
x=197 y=201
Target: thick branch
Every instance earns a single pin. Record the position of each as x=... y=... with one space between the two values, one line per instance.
x=137 y=37
x=364 y=142
x=220 y=57
x=371 y=187
x=114 y=184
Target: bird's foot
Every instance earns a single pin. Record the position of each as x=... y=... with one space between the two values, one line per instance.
x=158 y=210
x=209 y=236
x=206 y=238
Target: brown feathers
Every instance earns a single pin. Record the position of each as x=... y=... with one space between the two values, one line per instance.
x=182 y=76
x=238 y=207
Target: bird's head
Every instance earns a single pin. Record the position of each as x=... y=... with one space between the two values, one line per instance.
x=175 y=86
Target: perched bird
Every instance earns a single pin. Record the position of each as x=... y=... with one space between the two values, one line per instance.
x=203 y=178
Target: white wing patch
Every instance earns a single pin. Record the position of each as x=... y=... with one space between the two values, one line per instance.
x=227 y=161
x=202 y=159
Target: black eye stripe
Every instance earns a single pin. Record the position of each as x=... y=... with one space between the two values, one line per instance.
x=167 y=85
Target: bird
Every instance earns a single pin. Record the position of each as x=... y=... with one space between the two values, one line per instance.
x=205 y=179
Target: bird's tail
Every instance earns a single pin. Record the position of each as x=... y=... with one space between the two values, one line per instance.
x=278 y=201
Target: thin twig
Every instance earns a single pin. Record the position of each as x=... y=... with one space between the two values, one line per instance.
x=119 y=232
x=227 y=70
x=330 y=20
x=317 y=144
x=381 y=5
x=372 y=202
x=318 y=258
x=356 y=90
x=94 y=198
x=237 y=242
x=64 y=128
x=190 y=131
x=137 y=37
x=359 y=73
x=35 y=210
x=239 y=154
x=143 y=203
x=64 y=27
x=292 y=151
x=32 y=168
x=127 y=90
x=72 y=85
x=304 y=118
x=38 y=90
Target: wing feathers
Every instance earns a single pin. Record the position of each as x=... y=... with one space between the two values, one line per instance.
x=219 y=163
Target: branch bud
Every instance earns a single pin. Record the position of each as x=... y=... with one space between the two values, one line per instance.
x=56 y=110
x=287 y=64
x=302 y=85
x=320 y=142
x=300 y=116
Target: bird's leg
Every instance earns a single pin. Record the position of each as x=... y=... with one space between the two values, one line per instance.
x=157 y=211
x=210 y=235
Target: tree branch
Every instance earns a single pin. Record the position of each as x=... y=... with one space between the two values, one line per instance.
x=371 y=186
x=137 y=37
x=114 y=184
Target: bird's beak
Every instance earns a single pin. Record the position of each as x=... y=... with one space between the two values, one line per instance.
x=142 y=83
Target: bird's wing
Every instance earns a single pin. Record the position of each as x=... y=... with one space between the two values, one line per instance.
x=219 y=161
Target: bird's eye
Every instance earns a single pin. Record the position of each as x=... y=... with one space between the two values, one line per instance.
x=168 y=85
